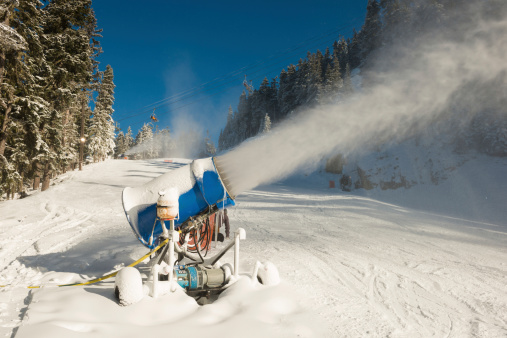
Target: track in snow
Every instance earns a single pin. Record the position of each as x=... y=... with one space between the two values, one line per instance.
x=362 y=266
x=371 y=268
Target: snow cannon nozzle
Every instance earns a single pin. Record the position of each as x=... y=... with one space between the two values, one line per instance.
x=220 y=166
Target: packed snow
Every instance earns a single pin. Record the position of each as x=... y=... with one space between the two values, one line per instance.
x=416 y=262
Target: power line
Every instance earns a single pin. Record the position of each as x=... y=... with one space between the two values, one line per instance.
x=233 y=76
x=242 y=70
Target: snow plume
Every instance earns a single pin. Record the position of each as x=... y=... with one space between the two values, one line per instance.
x=455 y=70
x=187 y=135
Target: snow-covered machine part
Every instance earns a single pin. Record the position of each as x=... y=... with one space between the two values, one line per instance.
x=167 y=204
x=128 y=286
x=200 y=188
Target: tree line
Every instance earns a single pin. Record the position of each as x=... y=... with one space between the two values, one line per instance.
x=152 y=142
x=49 y=82
x=326 y=77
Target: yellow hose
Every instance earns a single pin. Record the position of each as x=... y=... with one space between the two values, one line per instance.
x=106 y=276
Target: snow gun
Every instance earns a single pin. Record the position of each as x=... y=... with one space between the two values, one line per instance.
x=176 y=215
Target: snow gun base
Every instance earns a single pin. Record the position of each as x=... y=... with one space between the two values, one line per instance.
x=198 y=277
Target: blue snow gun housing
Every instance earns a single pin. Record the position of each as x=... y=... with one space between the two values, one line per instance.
x=200 y=188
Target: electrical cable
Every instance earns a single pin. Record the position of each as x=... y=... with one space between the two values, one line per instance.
x=275 y=67
x=199 y=90
x=198 y=251
x=241 y=71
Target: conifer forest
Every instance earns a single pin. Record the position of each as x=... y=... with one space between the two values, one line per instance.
x=49 y=76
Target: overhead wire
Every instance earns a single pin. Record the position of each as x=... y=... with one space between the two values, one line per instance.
x=233 y=76
x=241 y=70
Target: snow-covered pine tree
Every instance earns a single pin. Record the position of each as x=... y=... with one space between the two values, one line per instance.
x=260 y=104
x=11 y=44
x=370 y=37
x=341 y=53
x=314 y=85
x=287 y=91
x=354 y=51
x=273 y=108
x=50 y=58
x=227 y=135
x=139 y=138
x=119 y=144
x=208 y=147
x=266 y=124
x=302 y=76
x=101 y=140
x=144 y=141
x=69 y=32
x=347 y=81
x=26 y=144
x=243 y=115
x=396 y=17
x=129 y=139
x=221 y=140
x=229 y=115
x=332 y=82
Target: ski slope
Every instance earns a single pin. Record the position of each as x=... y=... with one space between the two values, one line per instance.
x=351 y=265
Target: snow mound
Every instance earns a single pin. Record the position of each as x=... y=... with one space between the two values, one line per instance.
x=128 y=286
x=245 y=309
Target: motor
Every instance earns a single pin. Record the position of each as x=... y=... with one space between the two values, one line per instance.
x=199 y=278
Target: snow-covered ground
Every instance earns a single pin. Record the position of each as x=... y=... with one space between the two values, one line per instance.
x=367 y=263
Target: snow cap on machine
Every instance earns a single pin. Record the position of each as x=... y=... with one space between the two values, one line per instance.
x=167 y=204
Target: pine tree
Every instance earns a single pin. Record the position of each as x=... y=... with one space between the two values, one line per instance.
x=396 y=19
x=221 y=140
x=11 y=43
x=119 y=148
x=266 y=124
x=347 y=81
x=354 y=49
x=70 y=47
x=370 y=36
x=129 y=139
x=209 y=147
x=333 y=82
x=228 y=134
x=260 y=105
x=144 y=142
x=243 y=115
x=229 y=115
x=288 y=91
x=273 y=108
x=102 y=125
x=16 y=64
x=303 y=77
x=47 y=59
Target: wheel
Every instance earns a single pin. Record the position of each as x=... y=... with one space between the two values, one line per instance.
x=128 y=286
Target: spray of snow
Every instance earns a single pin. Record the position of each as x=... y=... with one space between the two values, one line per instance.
x=186 y=142
x=431 y=80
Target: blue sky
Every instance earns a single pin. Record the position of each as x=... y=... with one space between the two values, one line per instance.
x=161 y=48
